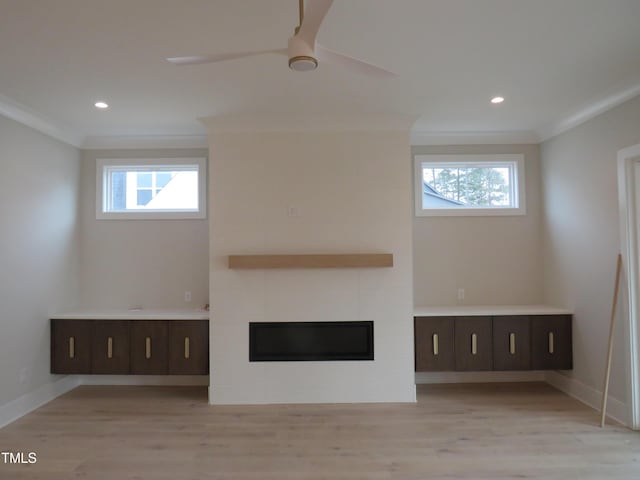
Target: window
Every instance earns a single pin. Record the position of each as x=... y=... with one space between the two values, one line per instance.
x=466 y=185
x=150 y=188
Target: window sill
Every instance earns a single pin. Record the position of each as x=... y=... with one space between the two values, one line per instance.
x=472 y=212
x=151 y=215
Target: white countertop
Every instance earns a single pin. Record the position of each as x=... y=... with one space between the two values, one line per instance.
x=134 y=314
x=477 y=310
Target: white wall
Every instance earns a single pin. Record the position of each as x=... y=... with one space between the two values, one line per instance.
x=354 y=196
x=581 y=236
x=140 y=263
x=38 y=251
x=497 y=260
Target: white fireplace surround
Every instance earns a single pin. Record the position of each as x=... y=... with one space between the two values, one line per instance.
x=346 y=180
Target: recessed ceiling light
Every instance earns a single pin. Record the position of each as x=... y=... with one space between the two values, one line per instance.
x=497 y=100
x=101 y=105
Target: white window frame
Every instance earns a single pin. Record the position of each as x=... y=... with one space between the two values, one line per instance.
x=517 y=160
x=101 y=188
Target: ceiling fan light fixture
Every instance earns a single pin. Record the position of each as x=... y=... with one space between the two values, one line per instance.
x=302 y=50
x=303 y=63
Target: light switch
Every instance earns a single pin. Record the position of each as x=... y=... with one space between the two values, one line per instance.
x=293 y=211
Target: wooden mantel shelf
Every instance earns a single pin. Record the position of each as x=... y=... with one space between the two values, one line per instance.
x=351 y=260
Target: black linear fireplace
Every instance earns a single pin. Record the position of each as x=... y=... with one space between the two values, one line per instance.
x=307 y=341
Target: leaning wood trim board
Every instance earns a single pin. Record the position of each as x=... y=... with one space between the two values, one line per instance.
x=353 y=260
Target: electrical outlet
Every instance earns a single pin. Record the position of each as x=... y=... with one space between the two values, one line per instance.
x=293 y=211
x=24 y=375
x=187 y=296
x=460 y=294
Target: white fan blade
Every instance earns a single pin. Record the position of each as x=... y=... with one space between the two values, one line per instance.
x=314 y=14
x=220 y=57
x=329 y=56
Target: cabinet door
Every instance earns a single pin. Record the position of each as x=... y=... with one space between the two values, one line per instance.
x=511 y=343
x=110 y=347
x=149 y=341
x=434 y=344
x=473 y=343
x=189 y=347
x=551 y=342
x=70 y=346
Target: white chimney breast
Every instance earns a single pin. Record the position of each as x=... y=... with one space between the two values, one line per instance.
x=354 y=188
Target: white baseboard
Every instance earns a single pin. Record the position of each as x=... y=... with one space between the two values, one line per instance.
x=616 y=409
x=28 y=402
x=478 y=377
x=19 y=407
x=157 y=380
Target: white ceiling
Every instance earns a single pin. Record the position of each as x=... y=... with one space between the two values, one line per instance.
x=555 y=61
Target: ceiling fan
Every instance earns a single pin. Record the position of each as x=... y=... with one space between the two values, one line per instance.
x=303 y=52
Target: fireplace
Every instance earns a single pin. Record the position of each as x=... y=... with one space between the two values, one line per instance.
x=310 y=341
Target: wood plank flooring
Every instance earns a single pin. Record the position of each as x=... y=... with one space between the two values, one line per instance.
x=497 y=431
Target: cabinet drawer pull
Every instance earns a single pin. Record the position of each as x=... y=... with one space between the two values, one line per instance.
x=474 y=344
x=72 y=347
x=186 y=347
x=512 y=343
x=435 y=344
x=551 y=345
x=109 y=347
x=147 y=347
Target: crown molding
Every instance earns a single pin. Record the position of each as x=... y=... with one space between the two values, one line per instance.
x=262 y=122
x=24 y=115
x=275 y=122
x=540 y=135
x=588 y=112
x=473 y=138
x=144 y=141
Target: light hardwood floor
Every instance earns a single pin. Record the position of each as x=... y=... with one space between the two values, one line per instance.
x=498 y=431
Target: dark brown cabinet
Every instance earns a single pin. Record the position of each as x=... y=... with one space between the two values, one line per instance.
x=149 y=347
x=70 y=346
x=188 y=348
x=481 y=343
x=551 y=347
x=121 y=347
x=511 y=343
x=110 y=347
x=473 y=343
x=434 y=344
